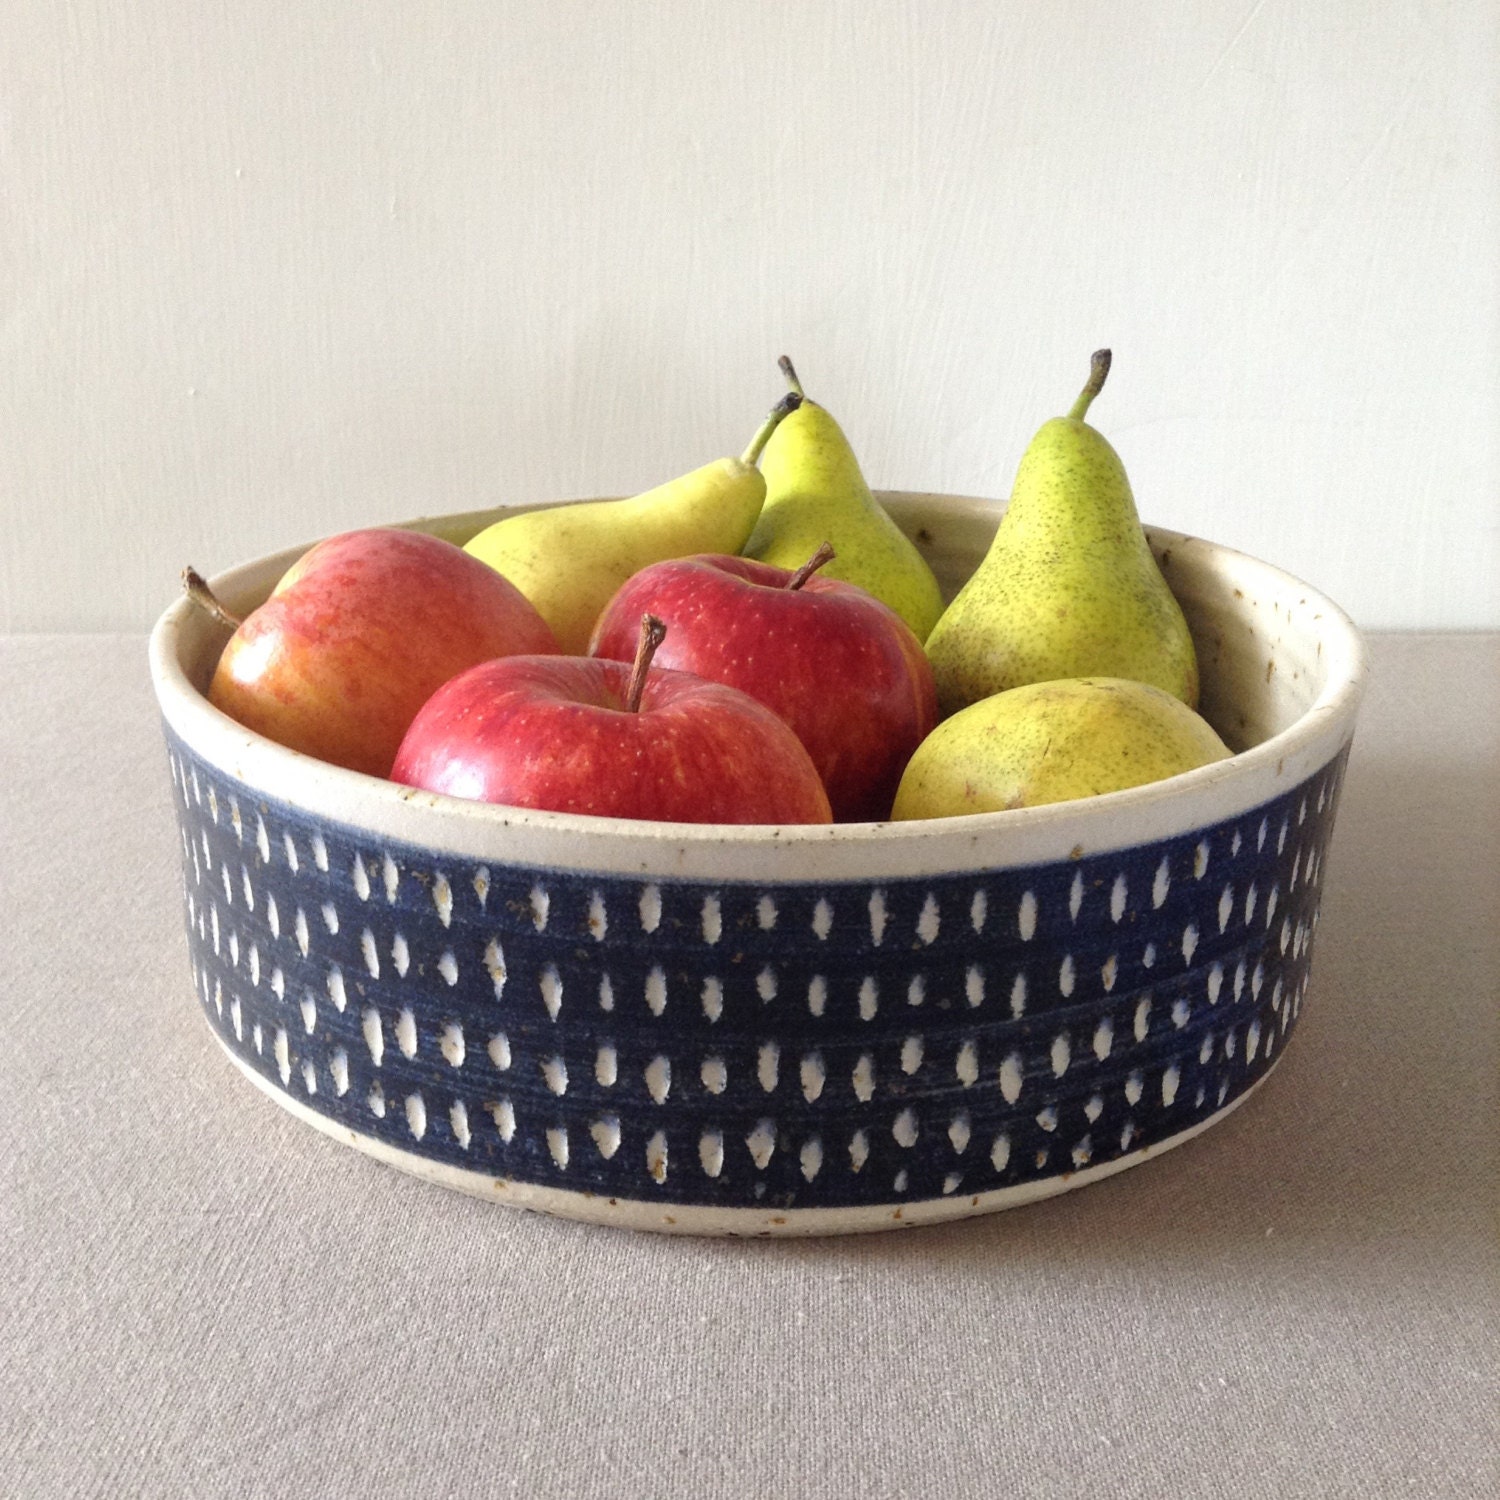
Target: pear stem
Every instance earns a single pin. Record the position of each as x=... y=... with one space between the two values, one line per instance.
x=785 y=366
x=653 y=633
x=195 y=586
x=783 y=408
x=825 y=553
x=1098 y=373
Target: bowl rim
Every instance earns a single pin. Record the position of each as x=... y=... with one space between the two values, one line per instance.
x=468 y=828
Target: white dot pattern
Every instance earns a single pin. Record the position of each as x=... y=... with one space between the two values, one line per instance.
x=1089 y=1019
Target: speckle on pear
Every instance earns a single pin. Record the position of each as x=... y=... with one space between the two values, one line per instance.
x=1069 y=586
x=815 y=491
x=1054 y=742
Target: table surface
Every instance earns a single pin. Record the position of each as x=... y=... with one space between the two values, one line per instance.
x=201 y=1296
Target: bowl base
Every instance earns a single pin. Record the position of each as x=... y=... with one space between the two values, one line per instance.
x=730 y=1223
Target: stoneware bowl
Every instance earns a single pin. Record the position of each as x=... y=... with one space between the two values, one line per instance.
x=773 y=1030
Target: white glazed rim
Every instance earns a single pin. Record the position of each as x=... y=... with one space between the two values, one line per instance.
x=463 y=828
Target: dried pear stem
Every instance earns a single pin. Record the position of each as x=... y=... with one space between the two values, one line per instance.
x=783 y=408
x=1098 y=374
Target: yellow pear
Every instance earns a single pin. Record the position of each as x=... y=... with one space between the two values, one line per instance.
x=568 y=560
x=816 y=493
x=1053 y=742
x=1069 y=586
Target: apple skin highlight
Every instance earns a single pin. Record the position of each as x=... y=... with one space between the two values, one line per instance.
x=553 y=734
x=358 y=634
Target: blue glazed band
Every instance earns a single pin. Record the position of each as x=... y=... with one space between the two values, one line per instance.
x=743 y=1045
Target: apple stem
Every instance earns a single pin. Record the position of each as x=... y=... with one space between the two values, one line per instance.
x=1098 y=372
x=825 y=553
x=195 y=586
x=786 y=368
x=783 y=408
x=653 y=633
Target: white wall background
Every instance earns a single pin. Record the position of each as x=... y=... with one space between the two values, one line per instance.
x=273 y=270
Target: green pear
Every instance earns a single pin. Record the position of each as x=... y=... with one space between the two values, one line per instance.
x=568 y=560
x=1069 y=586
x=1053 y=742
x=816 y=493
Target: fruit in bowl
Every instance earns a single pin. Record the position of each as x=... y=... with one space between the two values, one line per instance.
x=774 y=1029
x=357 y=636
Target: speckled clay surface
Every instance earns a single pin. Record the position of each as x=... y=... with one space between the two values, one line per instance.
x=775 y=1031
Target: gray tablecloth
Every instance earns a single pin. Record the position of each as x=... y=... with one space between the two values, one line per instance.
x=200 y=1296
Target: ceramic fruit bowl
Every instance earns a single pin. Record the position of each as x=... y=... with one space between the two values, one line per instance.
x=777 y=1030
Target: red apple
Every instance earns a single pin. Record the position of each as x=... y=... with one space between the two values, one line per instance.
x=840 y=667
x=360 y=631
x=572 y=734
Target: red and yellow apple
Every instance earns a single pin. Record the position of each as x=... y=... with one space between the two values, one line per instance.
x=358 y=634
